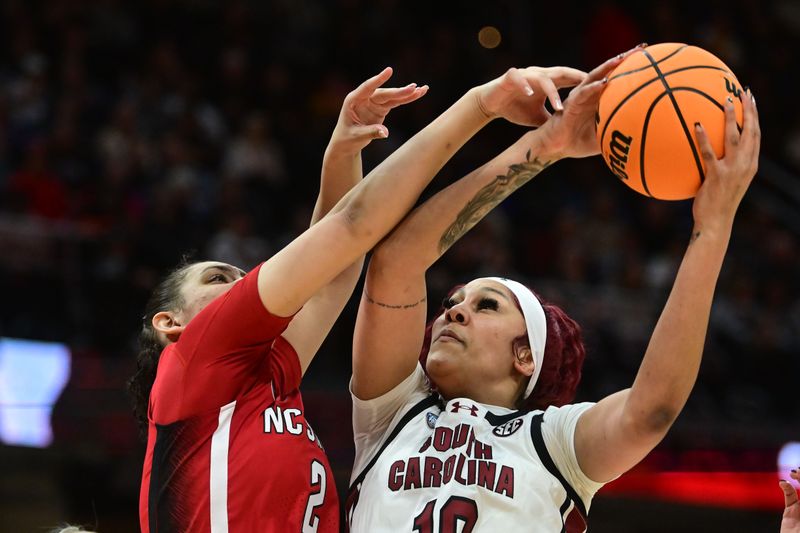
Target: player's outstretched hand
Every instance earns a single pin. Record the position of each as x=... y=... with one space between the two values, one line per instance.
x=571 y=132
x=365 y=108
x=728 y=178
x=791 y=513
x=519 y=95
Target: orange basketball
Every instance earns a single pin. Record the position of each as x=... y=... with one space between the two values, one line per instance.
x=646 y=117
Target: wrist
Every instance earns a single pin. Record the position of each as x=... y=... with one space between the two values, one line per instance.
x=340 y=148
x=474 y=95
x=538 y=142
x=712 y=230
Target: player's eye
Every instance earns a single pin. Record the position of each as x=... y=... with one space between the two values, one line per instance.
x=448 y=302
x=487 y=303
x=218 y=278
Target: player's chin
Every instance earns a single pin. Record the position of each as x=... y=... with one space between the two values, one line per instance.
x=445 y=353
x=442 y=361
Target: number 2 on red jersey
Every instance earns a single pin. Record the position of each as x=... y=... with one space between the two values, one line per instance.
x=316 y=498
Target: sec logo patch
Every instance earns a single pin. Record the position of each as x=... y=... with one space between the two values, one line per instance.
x=508 y=429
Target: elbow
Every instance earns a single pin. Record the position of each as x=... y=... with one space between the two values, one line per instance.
x=353 y=219
x=651 y=421
x=659 y=420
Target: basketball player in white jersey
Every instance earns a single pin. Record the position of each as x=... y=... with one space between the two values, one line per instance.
x=477 y=432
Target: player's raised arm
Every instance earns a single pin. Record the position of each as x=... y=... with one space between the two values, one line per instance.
x=393 y=306
x=370 y=210
x=621 y=429
x=360 y=121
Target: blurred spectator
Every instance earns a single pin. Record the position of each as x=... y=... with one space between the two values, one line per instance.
x=236 y=244
x=254 y=155
x=36 y=187
x=610 y=29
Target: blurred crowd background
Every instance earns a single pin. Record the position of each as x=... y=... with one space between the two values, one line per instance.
x=133 y=133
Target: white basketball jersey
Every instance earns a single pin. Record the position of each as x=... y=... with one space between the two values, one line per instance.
x=425 y=467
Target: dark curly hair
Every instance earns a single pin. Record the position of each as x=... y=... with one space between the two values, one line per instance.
x=564 y=353
x=166 y=296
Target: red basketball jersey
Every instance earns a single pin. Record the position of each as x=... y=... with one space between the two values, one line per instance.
x=229 y=449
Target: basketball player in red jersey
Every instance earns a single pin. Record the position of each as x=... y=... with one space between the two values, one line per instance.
x=481 y=429
x=197 y=392
x=223 y=352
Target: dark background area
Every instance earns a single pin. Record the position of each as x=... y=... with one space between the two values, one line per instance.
x=132 y=133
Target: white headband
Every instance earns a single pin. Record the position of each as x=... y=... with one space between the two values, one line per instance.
x=535 y=323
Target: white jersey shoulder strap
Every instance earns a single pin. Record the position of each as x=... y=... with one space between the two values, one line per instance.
x=549 y=464
x=423 y=404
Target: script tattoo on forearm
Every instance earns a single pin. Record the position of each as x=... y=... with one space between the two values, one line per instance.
x=392 y=306
x=489 y=196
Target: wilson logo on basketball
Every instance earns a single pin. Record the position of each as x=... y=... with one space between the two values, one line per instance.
x=732 y=88
x=618 y=153
x=508 y=429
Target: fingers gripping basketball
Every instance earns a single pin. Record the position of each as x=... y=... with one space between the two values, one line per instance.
x=646 y=116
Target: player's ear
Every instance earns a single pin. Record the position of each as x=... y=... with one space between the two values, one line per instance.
x=523 y=360
x=167 y=325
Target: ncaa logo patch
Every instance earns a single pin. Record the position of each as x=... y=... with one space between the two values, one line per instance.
x=431 y=419
x=508 y=429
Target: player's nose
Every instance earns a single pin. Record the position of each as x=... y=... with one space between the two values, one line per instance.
x=457 y=313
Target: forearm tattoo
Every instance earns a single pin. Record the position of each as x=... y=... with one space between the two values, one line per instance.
x=489 y=196
x=392 y=306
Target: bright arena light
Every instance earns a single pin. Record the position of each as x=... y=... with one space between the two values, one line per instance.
x=32 y=376
x=489 y=37
x=788 y=458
